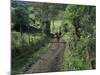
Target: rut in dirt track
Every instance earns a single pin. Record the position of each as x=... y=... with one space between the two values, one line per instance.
x=51 y=60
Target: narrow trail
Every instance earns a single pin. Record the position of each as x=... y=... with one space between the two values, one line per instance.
x=51 y=60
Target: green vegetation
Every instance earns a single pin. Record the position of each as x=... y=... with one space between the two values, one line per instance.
x=34 y=25
x=32 y=51
x=56 y=26
x=31 y=32
x=80 y=38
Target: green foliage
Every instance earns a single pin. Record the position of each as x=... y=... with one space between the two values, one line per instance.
x=25 y=53
x=56 y=26
x=76 y=22
x=20 y=18
x=80 y=24
x=27 y=43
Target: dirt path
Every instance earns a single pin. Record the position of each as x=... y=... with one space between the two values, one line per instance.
x=51 y=60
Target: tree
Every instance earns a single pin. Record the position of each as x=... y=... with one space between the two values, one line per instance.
x=21 y=20
x=81 y=23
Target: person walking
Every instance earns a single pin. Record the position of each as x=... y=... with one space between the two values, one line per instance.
x=58 y=36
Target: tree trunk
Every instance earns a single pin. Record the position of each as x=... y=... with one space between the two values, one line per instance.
x=53 y=25
x=29 y=34
x=20 y=30
x=76 y=25
x=21 y=35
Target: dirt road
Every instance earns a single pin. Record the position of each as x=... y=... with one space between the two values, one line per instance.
x=51 y=60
